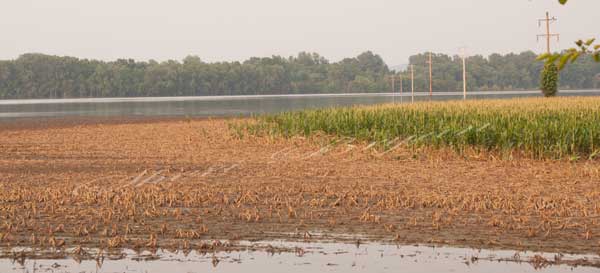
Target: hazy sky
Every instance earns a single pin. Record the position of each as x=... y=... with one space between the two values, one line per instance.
x=226 y=30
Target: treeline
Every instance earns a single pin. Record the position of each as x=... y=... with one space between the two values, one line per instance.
x=45 y=76
x=498 y=73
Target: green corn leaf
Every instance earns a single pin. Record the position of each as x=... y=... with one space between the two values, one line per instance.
x=574 y=56
x=483 y=127
x=590 y=42
x=563 y=61
x=553 y=58
x=543 y=56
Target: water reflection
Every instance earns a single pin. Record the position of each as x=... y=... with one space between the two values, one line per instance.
x=317 y=257
x=225 y=106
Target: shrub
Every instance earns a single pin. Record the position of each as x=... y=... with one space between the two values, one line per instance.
x=549 y=82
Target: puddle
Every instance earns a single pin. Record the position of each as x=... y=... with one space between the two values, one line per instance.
x=317 y=257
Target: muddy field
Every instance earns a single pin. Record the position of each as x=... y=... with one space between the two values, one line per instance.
x=193 y=184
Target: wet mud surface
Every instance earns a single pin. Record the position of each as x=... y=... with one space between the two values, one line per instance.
x=194 y=185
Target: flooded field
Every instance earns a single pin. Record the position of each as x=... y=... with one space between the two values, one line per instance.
x=313 y=257
x=194 y=186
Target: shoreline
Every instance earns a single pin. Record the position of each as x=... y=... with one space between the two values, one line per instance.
x=246 y=97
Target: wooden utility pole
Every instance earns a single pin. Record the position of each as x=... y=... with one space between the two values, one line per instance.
x=464 y=63
x=400 y=88
x=464 y=78
x=430 y=62
x=412 y=83
x=548 y=34
x=394 y=88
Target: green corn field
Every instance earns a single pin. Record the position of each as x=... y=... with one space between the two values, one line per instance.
x=538 y=127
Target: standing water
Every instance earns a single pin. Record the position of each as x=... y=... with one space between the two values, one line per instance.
x=319 y=257
x=228 y=105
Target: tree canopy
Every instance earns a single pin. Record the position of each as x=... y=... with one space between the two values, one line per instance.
x=46 y=76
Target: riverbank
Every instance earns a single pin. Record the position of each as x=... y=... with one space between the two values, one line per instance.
x=185 y=183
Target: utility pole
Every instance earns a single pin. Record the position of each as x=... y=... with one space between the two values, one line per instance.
x=548 y=35
x=400 y=76
x=412 y=83
x=464 y=78
x=464 y=63
x=394 y=88
x=430 y=62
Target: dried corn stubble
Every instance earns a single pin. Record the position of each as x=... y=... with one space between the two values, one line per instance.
x=66 y=187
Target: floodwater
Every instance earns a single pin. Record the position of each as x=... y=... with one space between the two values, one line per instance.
x=314 y=257
x=309 y=257
x=220 y=106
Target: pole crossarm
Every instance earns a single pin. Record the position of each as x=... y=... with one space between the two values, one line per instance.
x=548 y=34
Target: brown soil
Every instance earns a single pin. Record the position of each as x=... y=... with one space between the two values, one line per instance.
x=186 y=183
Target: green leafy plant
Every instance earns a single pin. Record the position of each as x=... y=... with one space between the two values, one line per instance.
x=549 y=81
x=572 y=54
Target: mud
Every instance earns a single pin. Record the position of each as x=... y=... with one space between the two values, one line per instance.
x=194 y=184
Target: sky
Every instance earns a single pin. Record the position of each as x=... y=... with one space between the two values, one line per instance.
x=234 y=30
